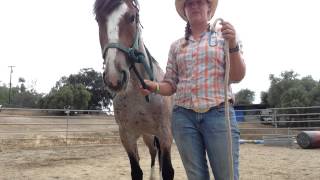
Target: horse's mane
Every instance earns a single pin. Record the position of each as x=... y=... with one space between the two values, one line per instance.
x=152 y=59
x=103 y=7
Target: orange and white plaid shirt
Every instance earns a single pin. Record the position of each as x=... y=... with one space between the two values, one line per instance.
x=196 y=71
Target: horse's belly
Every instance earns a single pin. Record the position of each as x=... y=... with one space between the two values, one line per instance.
x=139 y=125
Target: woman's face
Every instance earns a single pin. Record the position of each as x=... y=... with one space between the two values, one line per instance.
x=196 y=10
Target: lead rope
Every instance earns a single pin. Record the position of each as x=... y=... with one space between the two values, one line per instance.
x=226 y=100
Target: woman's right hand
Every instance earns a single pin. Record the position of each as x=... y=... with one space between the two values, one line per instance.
x=151 y=87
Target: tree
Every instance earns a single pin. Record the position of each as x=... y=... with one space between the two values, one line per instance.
x=289 y=91
x=279 y=86
x=26 y=99
x=93 y=82
x=244 y=97
x=72 y=96
x=21 y=96
x=264 y=98
x=22 y=86
x=294 y=97
x=314 y=95
x=4 y=91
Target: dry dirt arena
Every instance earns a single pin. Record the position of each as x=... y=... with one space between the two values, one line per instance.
x=258 y=162
x=109 y=162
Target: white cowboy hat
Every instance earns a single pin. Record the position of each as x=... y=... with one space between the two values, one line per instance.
x=180 y=8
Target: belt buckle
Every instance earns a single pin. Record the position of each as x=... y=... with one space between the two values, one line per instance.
x=198 y=110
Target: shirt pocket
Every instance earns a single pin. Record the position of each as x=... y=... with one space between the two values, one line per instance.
x=185 y=62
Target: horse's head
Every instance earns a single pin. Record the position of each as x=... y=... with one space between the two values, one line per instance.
x=118 y=32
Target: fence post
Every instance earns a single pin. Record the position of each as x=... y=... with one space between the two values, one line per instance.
x=67 y=128
x=274 y=119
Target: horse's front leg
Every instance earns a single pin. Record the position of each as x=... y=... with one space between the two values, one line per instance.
x=150 y=141
x=129 y=142
x=167 y=171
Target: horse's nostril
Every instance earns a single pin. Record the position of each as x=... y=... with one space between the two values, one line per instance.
x=122 y=79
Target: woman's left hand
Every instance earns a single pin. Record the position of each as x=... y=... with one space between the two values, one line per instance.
x=229 y=33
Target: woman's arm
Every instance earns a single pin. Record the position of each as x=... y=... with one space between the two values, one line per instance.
x=162 y=88
x=237 y=67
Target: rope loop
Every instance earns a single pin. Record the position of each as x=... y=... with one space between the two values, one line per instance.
x=135 y=55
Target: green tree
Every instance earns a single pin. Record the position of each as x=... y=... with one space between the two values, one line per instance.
x=20 y=96
x=244 y=97
x=73 y=96
x=279 y=86
x=26 y=99
x=294 y=97
x=22 y=86
x=308 y=83
x=4 y=91
x=264 y=98
x=289 y=91
x=314 y=95
x=81 y=97
x=93 y=82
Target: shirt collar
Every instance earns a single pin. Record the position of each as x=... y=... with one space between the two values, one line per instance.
x=203 y=35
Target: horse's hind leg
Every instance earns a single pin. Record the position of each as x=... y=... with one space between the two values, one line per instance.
x=130 y=145
x=149 y=140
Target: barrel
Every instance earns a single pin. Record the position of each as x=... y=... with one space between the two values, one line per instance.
x=309 y=139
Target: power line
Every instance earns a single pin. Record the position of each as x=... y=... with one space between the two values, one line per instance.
x=11 y=71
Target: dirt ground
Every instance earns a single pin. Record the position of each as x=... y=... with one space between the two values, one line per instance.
x=258 y=162
x=26 y=160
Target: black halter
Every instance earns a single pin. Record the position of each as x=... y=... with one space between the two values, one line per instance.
x=133 y=54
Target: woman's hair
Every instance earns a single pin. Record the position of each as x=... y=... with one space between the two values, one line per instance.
x=187 y=32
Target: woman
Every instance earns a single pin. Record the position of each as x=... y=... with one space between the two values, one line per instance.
x=195 y=72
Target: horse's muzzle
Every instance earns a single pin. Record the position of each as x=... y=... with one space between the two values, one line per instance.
x=119 y=85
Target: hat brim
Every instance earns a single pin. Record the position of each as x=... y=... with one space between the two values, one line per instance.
x=180 y=8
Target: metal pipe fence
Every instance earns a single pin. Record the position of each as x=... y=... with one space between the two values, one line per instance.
x=56 y=127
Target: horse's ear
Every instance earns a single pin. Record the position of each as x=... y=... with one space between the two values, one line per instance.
x=136 y=4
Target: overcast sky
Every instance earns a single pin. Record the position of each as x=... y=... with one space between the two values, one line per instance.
x=48 y=39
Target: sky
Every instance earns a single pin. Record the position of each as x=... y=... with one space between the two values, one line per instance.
x=48 y=39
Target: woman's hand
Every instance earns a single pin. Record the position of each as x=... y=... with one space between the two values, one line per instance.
x=152 y=86
x=229 y=34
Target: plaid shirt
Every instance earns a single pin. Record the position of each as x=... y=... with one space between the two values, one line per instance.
x=196 y=71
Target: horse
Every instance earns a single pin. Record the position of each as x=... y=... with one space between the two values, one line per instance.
x=126 y=63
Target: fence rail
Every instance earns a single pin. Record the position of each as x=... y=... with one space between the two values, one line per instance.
x=81 y=127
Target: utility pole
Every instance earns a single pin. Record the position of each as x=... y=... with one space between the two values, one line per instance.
x=11 y=71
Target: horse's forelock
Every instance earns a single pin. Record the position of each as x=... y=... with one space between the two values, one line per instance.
x=103 y=8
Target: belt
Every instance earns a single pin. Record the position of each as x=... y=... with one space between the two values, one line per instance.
x=200 y=110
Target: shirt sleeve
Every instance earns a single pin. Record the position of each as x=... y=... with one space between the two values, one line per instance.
x=171 y=75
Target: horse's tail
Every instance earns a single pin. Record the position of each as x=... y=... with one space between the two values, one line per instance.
x=157 y=146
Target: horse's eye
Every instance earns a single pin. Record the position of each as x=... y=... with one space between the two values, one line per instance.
x=132 y=18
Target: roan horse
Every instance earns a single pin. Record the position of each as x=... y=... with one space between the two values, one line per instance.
x=126 y=63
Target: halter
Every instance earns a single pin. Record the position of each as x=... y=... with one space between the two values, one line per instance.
x=133 y=54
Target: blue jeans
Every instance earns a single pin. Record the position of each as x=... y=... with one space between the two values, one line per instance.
x=198 y=134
